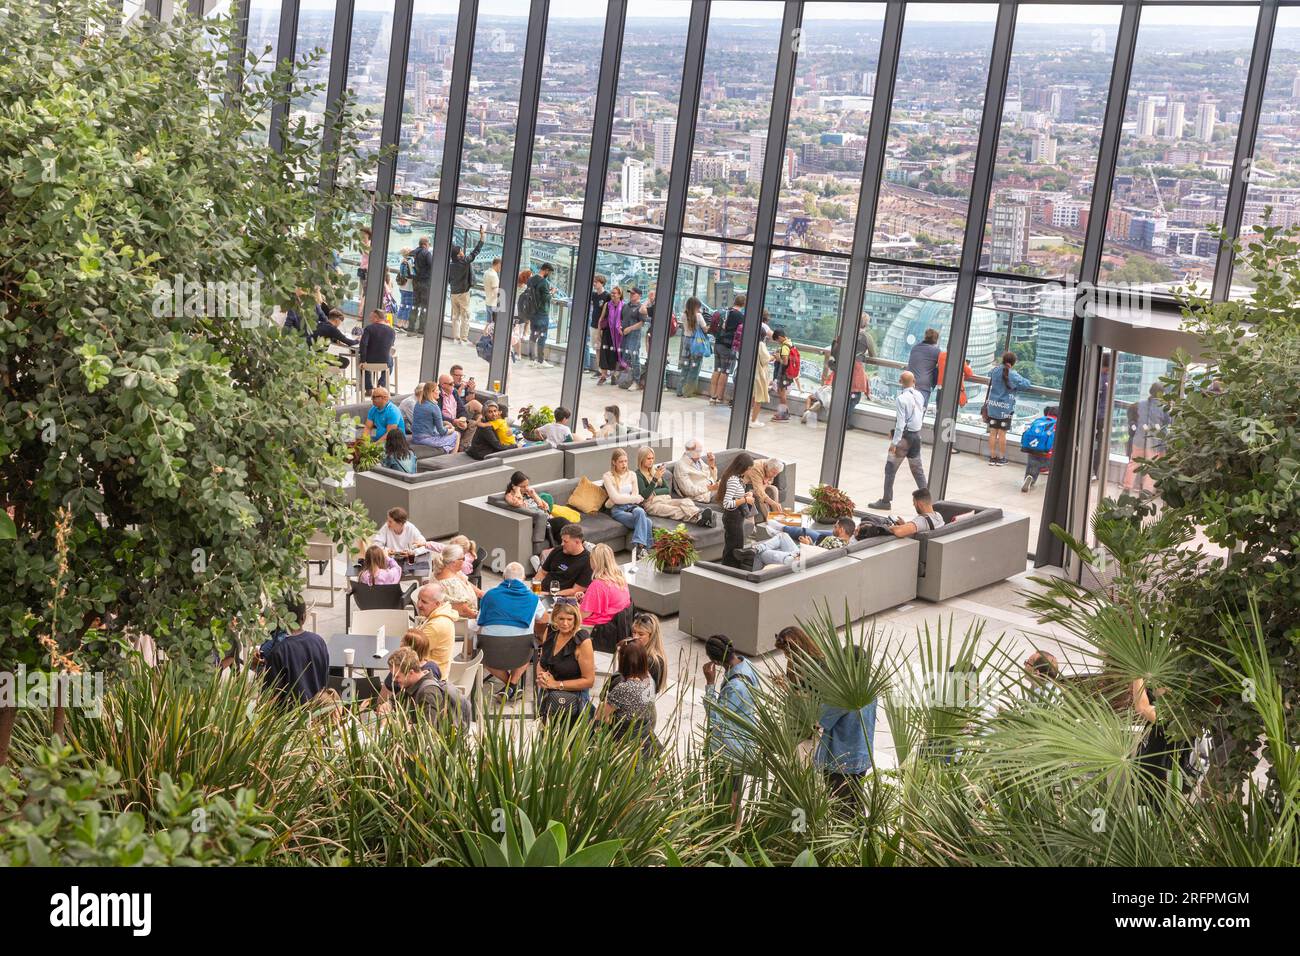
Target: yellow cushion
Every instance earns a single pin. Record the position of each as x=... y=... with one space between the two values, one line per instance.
x=588 y=497
x=568 y=514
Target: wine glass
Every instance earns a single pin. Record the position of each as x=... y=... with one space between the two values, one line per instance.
x=555 y=589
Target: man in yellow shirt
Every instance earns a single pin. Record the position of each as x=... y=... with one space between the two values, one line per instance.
x=438 y=623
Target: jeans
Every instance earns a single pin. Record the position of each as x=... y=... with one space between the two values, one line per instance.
x=909 y=448
x=420 y=308
x=777 y=549
x=925 y=396
x=816 y=536
x=537 y=335
x=591 y=347
x=632 y=353
x=634 y=518
x=404 y=310
x=689 y=371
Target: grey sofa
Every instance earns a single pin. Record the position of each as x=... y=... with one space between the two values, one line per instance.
x=750 y=607
x=590 y=458
x=505 y=533
x=538 y=462
x=429 y=497
x=976 y=546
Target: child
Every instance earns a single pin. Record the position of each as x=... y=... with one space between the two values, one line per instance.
x=1037 y=442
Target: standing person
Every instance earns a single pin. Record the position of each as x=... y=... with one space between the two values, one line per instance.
x=460 y=279
x=520 y=322
x=376 y=346
x=846 y=747
x=1149 y=430
x=694 y=348
x=1000 y=406
x=923 y=363
x=730 y=712
x=967 y=375
x=626 y=502
x=421 y=277
x=296 y=667
x=537 y=298
x=737 y=503
x=1037 y=443
x=405 y=310
x=635 y=316
x=648 y=633
x=491 y=292
x=909 y=409
x=762 y=382
x=783 y=373
x=363 y=268
x=658 y=497
x=610 y=325
x=595 y=309
x=724 y=334
x=1101 y=431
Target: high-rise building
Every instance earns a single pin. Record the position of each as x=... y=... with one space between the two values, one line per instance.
x=1174 y=120
x=1146 y=125
x=1295 y=88
x=1206 y=116
x=1063 y=102
x=1010 y=234
x=869 y=83
x=757 y=147
x=633 y=182
x=665 y=131
x=1043 y=150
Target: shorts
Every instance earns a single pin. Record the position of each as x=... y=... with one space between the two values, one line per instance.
x=722 y=358
x=1000 y=424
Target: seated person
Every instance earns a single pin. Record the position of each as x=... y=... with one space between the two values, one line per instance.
x=407 y=406
x=429 y=696
x=612 y=427
x=509 y=608
x=468 y=547
x=491 y=434
x=418 y=641
x=398 y=454
x=329 y=324
x=296 y=666
x=558 y=432
x=473 y=418
x=695 y=475
x=925 y=519
x=429 y=425
x=630 y=704
x=437 y=622
x=520 y=494
x=449 y=571
x=604 y=600
x=840 y=535
x=398 y=536
x=761 y=478
x=657 y=498
x=378 y=568
x=569 y=565
x=566 y=666
x=382 y=417
x=625 y=502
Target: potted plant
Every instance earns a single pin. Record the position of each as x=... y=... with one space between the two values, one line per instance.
x=829 y=504
x=530 y=421
x=366 y=454
x=673 y=550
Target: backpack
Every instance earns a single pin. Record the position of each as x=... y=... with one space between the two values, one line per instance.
x=526 y=304
x=483 y=347
x=792 y=366
x=404 y=270
x=672 y=325
x=1040 y=436
x=738 y=337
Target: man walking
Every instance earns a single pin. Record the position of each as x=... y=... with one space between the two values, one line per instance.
x=909 y=415
x=460 y=279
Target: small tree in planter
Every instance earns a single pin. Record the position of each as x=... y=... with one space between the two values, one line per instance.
x=366 y=454
x=673 y=551
x=829 y=504
x=530 y=421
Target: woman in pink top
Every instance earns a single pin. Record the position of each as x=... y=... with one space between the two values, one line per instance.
x=378 y=568
x=605 y=599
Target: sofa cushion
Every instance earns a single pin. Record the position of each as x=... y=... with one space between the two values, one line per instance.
x=518 y=450
x=427 y=451
x=588 y=497
x=444 y=465
x=767 y=573
x=958 y=516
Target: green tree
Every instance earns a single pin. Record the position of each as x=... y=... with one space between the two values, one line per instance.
x=164 y=471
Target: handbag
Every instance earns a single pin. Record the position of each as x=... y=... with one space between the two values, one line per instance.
x=984 y=413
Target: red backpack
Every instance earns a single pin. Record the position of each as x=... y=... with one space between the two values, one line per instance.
x=792 y=364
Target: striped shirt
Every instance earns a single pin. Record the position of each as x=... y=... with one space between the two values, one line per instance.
x=735 y=491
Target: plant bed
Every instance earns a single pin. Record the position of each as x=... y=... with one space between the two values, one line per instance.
x=673 y=550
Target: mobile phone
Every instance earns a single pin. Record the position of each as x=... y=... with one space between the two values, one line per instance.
x=586 y=423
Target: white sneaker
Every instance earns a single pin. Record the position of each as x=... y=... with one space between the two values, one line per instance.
x=545 y=365
x=758 y=424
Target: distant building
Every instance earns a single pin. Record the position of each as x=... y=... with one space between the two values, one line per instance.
x=1174 y=120
x=665 y=131
x=1206 y=117
x=1043 y=150
x=633 y=182
x=1010 y=234
x=1146 y=124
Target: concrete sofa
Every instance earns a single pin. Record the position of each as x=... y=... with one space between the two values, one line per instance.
x=429 y=497
x=505 y=534
x=750 y=607
x=590 y=458
x=538 y=462
x=976 y=546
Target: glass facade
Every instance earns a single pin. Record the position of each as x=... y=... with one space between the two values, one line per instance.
x=1037 y=152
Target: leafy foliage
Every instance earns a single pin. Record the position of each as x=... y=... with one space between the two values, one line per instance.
x=829 y=504
x=672 y=549
x=148 y=452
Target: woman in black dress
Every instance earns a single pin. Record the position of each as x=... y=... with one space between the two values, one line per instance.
x=566 y=667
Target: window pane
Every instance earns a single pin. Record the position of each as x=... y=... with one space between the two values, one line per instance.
x=1176 y=151
x=829 y=116
x=372 y=34
x=645 y=111
x=314 y=40
x=933 y=131
x=462 y=330
x=537 y=377
x=263 y=43
x=566 y=107
x=1275 y=171
x=428 y=82
x=731 y=126
x=413 y=221
x=1048 y=142
x=494 y=83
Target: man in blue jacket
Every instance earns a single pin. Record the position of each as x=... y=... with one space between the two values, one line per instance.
x=508 y=609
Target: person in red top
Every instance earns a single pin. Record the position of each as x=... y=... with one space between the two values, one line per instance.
x=967 y=374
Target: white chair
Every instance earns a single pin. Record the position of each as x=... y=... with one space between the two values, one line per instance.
x=467 y=677
x=375 y=369
x=395 y=622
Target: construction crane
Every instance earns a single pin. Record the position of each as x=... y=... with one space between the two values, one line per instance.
x=1155 y=186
